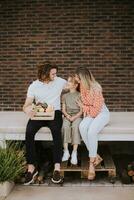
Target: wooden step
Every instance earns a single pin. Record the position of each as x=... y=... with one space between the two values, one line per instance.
x=107 y=164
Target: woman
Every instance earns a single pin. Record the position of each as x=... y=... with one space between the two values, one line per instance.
x=96 y=115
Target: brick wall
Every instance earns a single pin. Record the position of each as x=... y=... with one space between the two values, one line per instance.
x=95 y=33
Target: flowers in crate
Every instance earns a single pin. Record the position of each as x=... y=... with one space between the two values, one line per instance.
x=42 y=107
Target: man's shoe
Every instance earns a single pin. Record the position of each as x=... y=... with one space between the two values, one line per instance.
x=29 y=178
x=56 y=177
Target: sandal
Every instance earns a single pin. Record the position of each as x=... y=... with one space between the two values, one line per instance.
x=98 y=160
x=91 y=175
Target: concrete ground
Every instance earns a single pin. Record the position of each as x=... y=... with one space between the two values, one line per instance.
x=72 y=193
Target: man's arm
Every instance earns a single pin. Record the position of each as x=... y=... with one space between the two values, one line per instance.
x=65 y=87
x=27 y=107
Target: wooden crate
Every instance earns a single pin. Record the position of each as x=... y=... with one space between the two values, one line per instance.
x=106 y=166
x=44 y=116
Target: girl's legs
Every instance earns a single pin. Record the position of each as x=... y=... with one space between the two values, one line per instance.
x=65 y=145
x=66 y=129
x=75 y=147
x=76 y=140
x=74 y=159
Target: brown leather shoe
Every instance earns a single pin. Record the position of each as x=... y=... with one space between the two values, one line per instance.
x=91 y=175
x=98 y=160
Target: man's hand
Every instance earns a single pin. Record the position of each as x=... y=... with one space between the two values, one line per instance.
x=28 y=108
x=30 y=112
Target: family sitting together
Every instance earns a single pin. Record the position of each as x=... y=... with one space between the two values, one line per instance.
x=79 y=113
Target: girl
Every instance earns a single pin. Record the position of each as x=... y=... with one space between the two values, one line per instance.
x=96 y=115
x=72 y=118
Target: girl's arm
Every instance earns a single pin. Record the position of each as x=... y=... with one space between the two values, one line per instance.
x=64 y=109
x=78 y=115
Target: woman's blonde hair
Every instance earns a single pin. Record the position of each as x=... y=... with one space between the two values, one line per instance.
x=87 y=79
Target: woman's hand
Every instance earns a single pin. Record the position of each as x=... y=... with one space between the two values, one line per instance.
x=84 y=114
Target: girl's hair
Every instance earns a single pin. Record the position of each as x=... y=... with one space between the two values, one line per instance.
x=72 y=77
x=44 y=70
x=73 y=80
x=87 y=79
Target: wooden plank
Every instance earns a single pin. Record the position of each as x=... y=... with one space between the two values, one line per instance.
x=64 y=165
x=84 y=167
x=100 y=167
x=108 y=162
x=84 y=163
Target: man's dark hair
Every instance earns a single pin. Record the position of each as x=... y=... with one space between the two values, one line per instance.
x=44 y=70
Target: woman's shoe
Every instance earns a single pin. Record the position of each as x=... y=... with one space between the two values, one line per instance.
x=91 y=175
x=98 y=160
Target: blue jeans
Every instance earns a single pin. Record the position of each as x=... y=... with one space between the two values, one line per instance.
x=90 y=127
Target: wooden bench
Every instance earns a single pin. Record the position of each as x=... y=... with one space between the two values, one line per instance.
x=120 y=128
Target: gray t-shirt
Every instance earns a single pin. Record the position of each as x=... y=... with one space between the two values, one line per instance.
x=69 y=99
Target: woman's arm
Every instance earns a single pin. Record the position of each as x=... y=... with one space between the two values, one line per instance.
x=92 y=103
x=94 y=109
x=98 y=102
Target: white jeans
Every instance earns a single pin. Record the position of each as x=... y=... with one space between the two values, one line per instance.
x=90 y=127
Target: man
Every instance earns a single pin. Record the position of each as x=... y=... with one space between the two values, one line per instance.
x=47 y=88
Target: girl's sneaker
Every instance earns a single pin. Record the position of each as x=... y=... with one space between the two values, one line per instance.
x=66 y=156
x=74 y=160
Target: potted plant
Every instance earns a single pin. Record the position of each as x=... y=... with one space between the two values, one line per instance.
x=12 y=165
